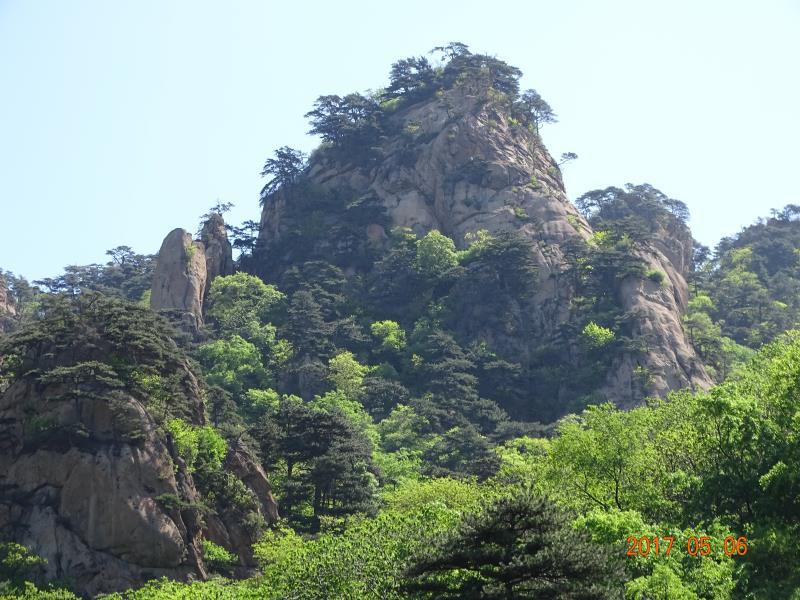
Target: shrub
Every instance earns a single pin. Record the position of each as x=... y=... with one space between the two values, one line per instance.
x=390 y=333
x=596 y=336
x=198 y=446
x=656 y=276
x=216 y=556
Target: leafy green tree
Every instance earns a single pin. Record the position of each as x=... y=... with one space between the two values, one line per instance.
x=347 y=375
x=369 y=558
x=404 y=429
x=519 y=547
x=234 y=364
x=201 y=447
x=636 y=210
x=394 y=286
x=17 y=563
x=237 y=302
x=390 y=333
x=245 y=237
x=676 y=576
x=243 y=305
x=436 y=255
x=605 y=458
x=478 y=73
x=382 y=395
x=596 y=336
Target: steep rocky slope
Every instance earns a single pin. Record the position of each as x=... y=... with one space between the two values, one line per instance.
x=91 y=478
x=459 y=162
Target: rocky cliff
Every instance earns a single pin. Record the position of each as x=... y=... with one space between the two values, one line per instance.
x=186 y=267
x=90 y=475
x=460 y=162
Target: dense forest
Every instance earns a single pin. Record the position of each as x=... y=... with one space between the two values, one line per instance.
x=425 y=434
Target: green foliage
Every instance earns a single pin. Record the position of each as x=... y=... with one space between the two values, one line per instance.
x=93 y=345
x=28 y=591
x=198 y=446
x=216 y=556
x=166 y=589
x=404 y=429
x=241 y=303
x=521 y=214
x=390 y=334
x=16 y=564
x=127 y=275
x=347 y=375
x=637 y=210
x=321 y=454
x=436 y=255
x=676 y=576
x=233 y=364
x=351 y=124
x=656 y=276
x=283 y=170
x=189 y=250
x=369 y=558
x=721 y=354
x=519 y=547
x=753 y=280
x=596 y=336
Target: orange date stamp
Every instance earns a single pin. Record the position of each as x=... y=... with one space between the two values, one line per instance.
x=695 y=546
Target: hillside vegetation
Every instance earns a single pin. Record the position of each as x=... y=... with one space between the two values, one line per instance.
x=459 y=384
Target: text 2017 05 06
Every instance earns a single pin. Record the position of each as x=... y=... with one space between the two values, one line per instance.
x=695 y=546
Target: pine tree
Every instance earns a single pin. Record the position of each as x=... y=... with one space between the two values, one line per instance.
x=520 y=547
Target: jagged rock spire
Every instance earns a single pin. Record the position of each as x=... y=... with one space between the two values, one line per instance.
x=185 y=269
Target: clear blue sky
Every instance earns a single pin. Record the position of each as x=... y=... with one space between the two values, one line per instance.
x=122 y=120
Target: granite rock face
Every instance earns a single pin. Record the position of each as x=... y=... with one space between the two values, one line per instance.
x=179 y=282
x=217 y=249
x=91 y=481
x=460 y=165
x=86 y=499
x=185 y=269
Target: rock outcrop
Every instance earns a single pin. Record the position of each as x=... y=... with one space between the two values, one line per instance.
x=88 y=500
x=461 y=164
x=185 y=269
x=228 y=531
x=90 y=478
x=217 y=249
x=670 y=362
